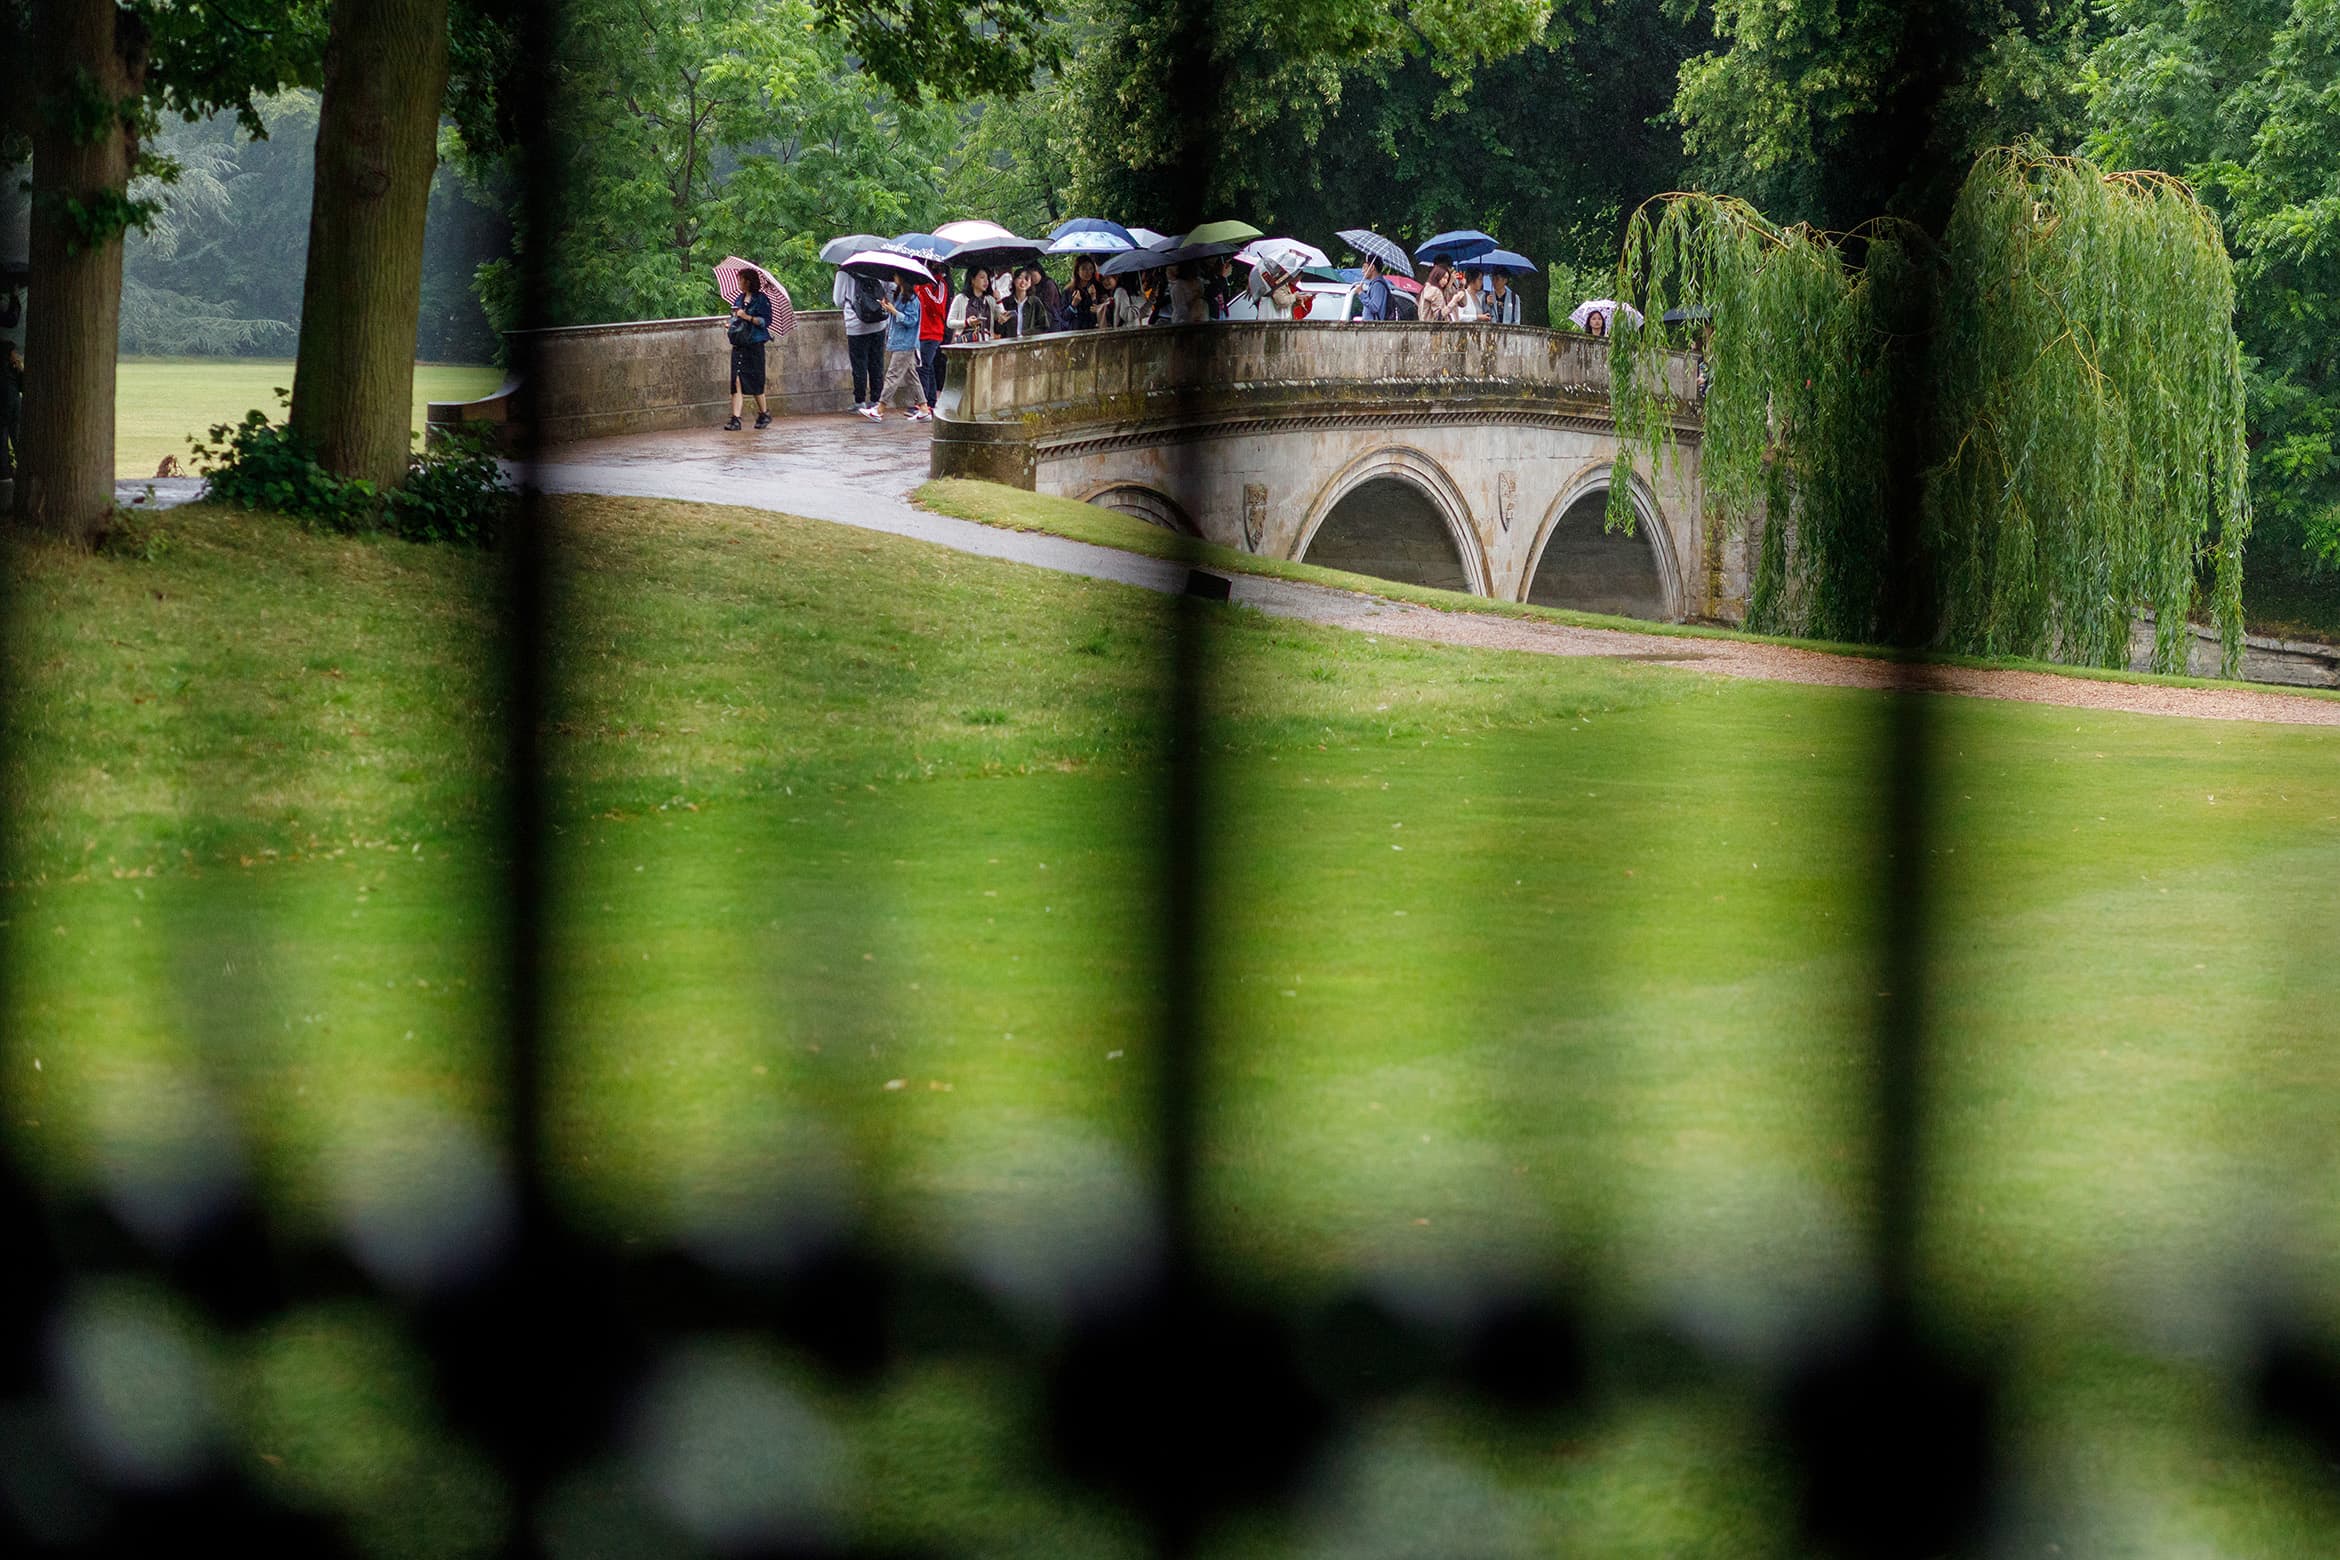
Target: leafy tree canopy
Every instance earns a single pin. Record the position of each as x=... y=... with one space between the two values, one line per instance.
x=1836 y=111
x=1165 y=111
x=691 y=129
x=2243 y=100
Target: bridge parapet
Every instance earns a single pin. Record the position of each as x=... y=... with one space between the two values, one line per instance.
x=1050 y=384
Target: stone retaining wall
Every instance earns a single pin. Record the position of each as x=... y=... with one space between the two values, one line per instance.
x=2294 y=663
x=651 y=375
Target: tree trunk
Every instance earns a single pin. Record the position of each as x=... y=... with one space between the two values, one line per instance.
x=377 y=147
x=65 y=480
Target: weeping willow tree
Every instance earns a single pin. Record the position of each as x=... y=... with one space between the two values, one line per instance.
x=1804 y=353
x=2062 y=367
x=2088 y=413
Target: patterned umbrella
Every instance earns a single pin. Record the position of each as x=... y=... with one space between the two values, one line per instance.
x=1464 y=244
x=728 y=272
x=1372 y=244
x=1103 y=239
x=931 y=245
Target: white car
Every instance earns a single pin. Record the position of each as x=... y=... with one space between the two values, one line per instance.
x=1335 y=301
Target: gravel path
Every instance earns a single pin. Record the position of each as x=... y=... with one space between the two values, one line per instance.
x=848 y=471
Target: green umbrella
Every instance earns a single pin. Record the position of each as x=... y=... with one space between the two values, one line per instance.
x=1220 y=233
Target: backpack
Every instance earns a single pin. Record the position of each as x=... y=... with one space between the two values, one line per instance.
x=869 y=304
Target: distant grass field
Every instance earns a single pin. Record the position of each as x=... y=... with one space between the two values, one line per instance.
x=160 y=403
x=1516 y=966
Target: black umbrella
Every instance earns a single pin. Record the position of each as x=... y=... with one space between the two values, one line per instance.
x=1135 y=260
x=995 y=252
x=1373 y=246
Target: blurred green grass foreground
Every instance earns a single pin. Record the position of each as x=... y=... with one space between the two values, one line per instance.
x=1516 y=967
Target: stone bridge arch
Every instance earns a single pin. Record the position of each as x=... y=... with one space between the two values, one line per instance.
x=1391 y=534
x=1143 y=502
x=1596 y=570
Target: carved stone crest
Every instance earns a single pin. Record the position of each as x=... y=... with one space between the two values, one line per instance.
x=1506 y=496
x=1254 y=514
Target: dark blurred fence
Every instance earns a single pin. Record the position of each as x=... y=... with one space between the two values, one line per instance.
x=1187 y=1401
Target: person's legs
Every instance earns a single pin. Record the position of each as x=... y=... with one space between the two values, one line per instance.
x=865 y=371
x=901 y=373
x=734 y=423
x=930 y=370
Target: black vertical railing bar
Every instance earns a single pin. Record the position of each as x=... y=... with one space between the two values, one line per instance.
x=530 y=1340
x=1893 y=1428
x=1185 y=846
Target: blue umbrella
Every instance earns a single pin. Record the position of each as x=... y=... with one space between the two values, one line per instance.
x=1462 y=244
x=926 y=244
x=1499 y=260
x=1374 y=246
x=1092 y=225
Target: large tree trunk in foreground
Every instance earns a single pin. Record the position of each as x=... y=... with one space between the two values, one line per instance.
x=377 y=146
x=65 y=480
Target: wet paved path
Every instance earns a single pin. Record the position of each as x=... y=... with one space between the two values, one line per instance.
x=852 y=472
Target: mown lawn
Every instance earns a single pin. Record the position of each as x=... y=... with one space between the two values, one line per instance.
x=161 y=403
x=1517 y=967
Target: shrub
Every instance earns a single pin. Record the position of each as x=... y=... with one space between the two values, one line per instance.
x=454 y=490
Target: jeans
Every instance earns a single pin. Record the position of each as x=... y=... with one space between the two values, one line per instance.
x=930 y=369
x=868 y=352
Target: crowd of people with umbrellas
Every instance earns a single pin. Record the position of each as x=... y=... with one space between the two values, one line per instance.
x=970 y=282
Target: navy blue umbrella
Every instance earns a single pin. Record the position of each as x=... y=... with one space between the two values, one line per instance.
x=1462 y=244
x=1374 y=246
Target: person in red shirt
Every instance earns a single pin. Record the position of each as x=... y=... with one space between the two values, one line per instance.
x=934 y=305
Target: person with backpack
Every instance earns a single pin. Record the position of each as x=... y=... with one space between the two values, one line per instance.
x=750 y=329
x=862 y=300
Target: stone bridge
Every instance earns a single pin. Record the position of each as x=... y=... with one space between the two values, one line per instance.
x=1472 y=457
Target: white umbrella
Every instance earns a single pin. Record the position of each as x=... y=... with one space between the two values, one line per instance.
x=888 y=260
x=970 y=227
x=1285 y=254
x=1608 y=306
x=1147 y=238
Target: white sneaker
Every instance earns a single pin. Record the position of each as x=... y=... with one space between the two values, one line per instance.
x=873 y=414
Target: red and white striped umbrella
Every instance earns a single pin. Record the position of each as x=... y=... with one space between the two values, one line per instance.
x=728 y=272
